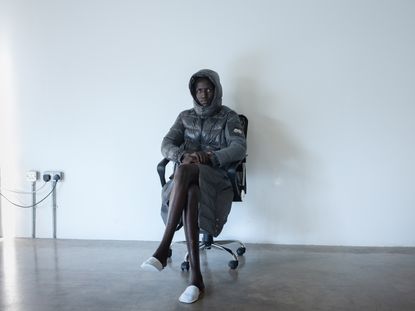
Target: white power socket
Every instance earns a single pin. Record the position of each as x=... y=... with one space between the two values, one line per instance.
x=53 y=174
x=32 y=176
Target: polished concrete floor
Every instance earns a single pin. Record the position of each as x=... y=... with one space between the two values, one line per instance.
x=55 y=275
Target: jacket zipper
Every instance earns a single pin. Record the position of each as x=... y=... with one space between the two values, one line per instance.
x=201 y=131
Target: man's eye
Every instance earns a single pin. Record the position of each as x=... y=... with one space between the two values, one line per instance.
x=204 y=90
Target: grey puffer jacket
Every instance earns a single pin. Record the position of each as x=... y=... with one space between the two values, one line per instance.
x=214 y=128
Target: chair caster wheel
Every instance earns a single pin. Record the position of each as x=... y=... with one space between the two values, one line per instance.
x=240 y=251
x=185 y=266
x=233 y=264
x=169 y=253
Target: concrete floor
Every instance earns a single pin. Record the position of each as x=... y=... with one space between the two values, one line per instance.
x=55 y=275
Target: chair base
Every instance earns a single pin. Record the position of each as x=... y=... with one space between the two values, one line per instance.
x=208 y=243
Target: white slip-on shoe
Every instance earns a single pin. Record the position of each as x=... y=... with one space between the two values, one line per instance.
x=152 y=264
x=190 y=294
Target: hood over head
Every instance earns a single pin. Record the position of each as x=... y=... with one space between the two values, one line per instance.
x=216 y=103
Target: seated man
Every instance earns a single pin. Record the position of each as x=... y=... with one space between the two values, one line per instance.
x=204 y=141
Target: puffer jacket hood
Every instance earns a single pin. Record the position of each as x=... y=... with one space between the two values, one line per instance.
x=217 y=97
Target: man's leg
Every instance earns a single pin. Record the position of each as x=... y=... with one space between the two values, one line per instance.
x=191 y=229
x=185 y=176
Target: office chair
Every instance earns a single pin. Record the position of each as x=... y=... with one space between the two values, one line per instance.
x=237 y=176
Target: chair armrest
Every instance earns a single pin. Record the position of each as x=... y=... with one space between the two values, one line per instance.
x=161 y=170
x=232 y=171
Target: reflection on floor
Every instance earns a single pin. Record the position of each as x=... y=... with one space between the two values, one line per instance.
x=60 y=275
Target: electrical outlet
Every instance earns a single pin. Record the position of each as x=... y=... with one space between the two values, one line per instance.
x=32 y=176
x=53 y=174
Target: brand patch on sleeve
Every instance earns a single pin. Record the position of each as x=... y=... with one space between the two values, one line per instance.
x=237 y=131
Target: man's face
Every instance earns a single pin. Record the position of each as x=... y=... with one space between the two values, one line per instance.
x=204 y=91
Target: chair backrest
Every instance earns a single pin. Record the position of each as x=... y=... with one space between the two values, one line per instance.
x=244 y=122
x=237 y=173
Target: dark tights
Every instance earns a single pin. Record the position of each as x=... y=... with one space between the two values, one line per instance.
x=184 y=202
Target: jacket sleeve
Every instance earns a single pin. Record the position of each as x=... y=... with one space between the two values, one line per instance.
x=172 y=144
x=236 y=142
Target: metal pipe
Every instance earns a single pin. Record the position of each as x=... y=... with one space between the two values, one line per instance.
x=54 y=207
x=33 y=209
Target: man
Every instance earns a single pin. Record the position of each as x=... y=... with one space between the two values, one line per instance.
x=203 y=141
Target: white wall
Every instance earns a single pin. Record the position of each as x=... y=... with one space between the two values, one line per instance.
x=91 y=87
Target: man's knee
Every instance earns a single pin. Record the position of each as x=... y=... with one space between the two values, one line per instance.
x=186 y=173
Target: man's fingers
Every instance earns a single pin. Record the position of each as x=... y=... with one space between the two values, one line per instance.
x=200 y=157
x=194 y=157
x=203 y=157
